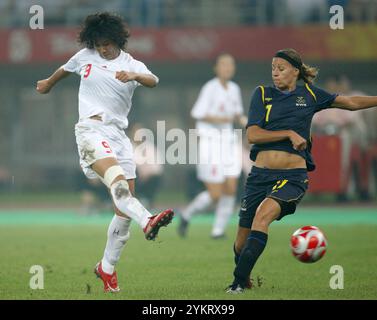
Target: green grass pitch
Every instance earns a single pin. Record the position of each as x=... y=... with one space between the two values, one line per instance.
x=68 y=246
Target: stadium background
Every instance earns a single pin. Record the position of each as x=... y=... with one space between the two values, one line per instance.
x=178 y=40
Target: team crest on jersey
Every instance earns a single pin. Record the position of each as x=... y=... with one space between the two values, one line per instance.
x=300 y=102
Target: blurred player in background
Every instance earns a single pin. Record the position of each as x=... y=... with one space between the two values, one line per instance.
x=279 y=126
x=109 y=77
x=149 y=167
x=218 y=106
x=94 y=198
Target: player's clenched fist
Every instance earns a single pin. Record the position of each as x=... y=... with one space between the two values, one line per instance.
x=125 y=76
x=43 y=86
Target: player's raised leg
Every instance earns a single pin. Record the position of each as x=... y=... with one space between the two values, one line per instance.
x=127 y=207
x=113 y=176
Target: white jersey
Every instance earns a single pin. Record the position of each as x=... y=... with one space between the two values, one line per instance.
x=100 y=92
x=215 y=100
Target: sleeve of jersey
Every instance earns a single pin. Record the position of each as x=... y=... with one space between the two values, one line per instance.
x=73 y=64
x=257 y=111
x=142 y=68
x=199 y=110
x=324 y=99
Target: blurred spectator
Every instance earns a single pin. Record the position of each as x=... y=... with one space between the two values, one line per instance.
x=260 y=12
x=6 y=8
x=362 y=10
x=150 y=12
x=342 y=3
x=5 y=178
x=300 y=12
x=351 y=128
x=175 y=13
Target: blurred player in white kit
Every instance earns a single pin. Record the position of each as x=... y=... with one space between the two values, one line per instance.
x=109 y=77
x=218 y=106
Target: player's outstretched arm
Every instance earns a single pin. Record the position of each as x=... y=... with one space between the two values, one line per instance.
x=44 y=86
x=146 y=80
x=355 y=103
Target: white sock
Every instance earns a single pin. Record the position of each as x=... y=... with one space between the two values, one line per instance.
x=117 y=236
x=128 y=204
x=202 y=201
x=224 y=211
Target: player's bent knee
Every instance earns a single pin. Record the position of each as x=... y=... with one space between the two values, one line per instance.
x=122 y=197
x=263 y=218
x=120 y=190
x=111 y=174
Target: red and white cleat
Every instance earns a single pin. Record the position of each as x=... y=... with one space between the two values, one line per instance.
x=110 y=281
x=156 y=222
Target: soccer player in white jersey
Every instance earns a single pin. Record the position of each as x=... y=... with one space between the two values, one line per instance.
x=109 y=77
x=218 y=106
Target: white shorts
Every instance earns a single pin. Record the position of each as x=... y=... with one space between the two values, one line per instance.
x=219 y=159
x=96 y=141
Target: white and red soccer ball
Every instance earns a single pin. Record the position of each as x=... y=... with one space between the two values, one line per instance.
x=308 y=244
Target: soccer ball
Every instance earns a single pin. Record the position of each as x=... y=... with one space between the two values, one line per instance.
x=308 y=244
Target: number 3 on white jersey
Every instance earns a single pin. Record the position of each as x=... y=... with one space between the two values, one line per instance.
x=87 y=70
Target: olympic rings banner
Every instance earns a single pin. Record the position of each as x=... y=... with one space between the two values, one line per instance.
x=194 y=44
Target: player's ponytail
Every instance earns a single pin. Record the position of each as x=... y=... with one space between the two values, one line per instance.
x=307 y=73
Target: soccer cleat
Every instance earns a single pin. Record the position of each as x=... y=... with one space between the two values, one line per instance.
x=218 y=236
x=156 y=222
x=110 y=281
x=234 y=289
x=182 y=228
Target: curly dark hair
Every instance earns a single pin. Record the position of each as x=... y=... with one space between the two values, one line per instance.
x=104 y=26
